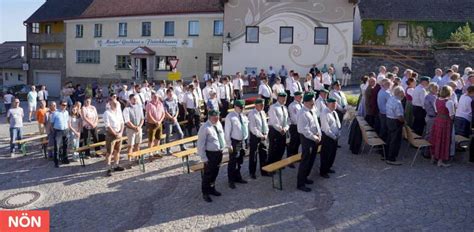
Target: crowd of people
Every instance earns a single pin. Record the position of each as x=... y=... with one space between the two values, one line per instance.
x=306 y=109
x=436 y=108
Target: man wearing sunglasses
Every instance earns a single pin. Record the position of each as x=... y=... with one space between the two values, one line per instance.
x=59 y=122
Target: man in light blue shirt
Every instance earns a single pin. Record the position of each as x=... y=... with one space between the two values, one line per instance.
x=446 y=78
x=382 y=99
x=59 y=122
x=395 y=122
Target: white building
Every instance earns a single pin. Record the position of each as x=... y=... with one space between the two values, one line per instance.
x=114 y=41
x=297 y=34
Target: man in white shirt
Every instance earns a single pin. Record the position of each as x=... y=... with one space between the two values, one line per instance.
x=295 y=87
x=341 y=99
x=327 y=78
x=289 y=82
x=238 y=84
x=32 y=97
x=418 y=102
x=225 y=96
x=407 y=74
x=382 y=72
x=210 y=146
x=258 y=127
x=462 y=121
x=265 y=92
x=321 y=101
x=43 y=94
x=236 y=133
x=114 y=125
x=279 y=125
x=293 y=110
x=310 y=133
x=206 y=91
x=331 y=127
x=191 y=103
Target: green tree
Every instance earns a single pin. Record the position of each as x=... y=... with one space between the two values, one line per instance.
x=464 y=35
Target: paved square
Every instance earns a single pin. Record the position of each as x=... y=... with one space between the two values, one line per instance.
x=364 y=195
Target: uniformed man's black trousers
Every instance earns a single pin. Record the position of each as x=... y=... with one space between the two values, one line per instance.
x=257 y=145
x=309 y=151
x=277 y=143
x=224 y=107
x=194 y=121
x=211 y=170
x=294 y=145
x=328 y=154
x=236 y=159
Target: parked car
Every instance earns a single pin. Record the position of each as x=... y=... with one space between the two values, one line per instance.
x=20 y=91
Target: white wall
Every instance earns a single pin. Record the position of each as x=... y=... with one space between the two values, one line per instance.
x=298 y=56
x=10 y=76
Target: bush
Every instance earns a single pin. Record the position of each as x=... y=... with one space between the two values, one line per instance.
x=464 y=35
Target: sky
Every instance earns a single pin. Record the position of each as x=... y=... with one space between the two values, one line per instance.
x=12 y=15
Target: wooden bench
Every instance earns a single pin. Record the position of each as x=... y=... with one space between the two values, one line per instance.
x=278 y=167
x=140 y=154
x=184 y=155
x=418 y=143
x=23 y=142
x=81 y=150
x=461 y=139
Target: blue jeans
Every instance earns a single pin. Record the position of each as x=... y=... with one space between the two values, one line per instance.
x=169 y=128
x=15 y=134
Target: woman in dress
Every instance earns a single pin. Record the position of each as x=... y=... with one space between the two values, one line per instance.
x=75 y=125
x=361 y=102
x=440 y=137
x=411 y=84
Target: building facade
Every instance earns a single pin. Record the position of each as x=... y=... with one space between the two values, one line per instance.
x=12 y=62
x=297 y=34
x=140 y=47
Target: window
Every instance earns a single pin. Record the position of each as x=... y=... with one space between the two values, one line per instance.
x=286 y=35
x=47 y=28
x=97 y=30
x=20 y=77
x=79 y=30
x=218 y=28
x=52 y=54
x=122 y=29
x=169 y=28
x=163 y=63
x=379 y=30
x=6 y=76
x=321 y=35
x=35 y=28
x=35 y=51
x=193 y=28
x=251 y=34
x=146 y=29
x=88 y=56
x=402 y=30
x=429 y=32
x=124 y=62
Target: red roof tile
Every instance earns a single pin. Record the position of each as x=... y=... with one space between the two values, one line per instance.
x=117 y=8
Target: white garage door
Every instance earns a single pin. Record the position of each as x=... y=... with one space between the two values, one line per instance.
x=52 y=82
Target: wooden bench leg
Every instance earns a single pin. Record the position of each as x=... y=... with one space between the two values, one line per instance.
x=45 y=150
x=142 y=160
x=186 y=164
x=81 y=157
x=23 y=149
x=276 y=180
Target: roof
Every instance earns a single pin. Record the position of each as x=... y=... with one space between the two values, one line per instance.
x=142 y=50
x=56 y=10
x=10 y=55
x=418 y=10
x=111 y=8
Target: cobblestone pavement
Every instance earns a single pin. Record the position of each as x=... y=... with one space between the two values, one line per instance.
x=364 y=195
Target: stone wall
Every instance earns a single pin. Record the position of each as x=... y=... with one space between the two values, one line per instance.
x=446 y=57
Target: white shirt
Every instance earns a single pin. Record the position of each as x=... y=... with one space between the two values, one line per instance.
x=289 y=82
x=307 y=86
x=277 y=88
x=293 y=109
x=271 y=72
x=190 y=100
x=419 y=95
x=296 y=86
x=198 y=92
x=317 y=85
x=206 y=92
x=43 y=95
x=8 y=98
x=278 y=117
x=178 y=91
x=113 y=119
x=234 y=128
x=327 y=79
x=340 y=99
x=140 y=99
x=264 y=90
x=208 y=139
x=380 y=77
x=330 y=123
x=256 y=121
x=238 y=83
x=307 y=124
x=320 y=105
x=464 y=109
x=225 y=91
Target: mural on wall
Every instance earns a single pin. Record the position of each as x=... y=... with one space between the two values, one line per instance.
x=304 y=16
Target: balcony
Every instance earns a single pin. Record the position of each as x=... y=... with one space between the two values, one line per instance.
x=48 y=64
x=46 y=38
